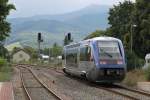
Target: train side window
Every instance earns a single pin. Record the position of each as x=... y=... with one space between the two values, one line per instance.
x=85 y=53
x=71 y=57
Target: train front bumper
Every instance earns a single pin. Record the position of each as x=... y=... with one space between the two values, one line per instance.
x=110 y=75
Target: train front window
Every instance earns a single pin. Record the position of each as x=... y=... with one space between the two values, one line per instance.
x=109 y=50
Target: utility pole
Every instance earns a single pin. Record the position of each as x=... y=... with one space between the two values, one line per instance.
x=131 y=40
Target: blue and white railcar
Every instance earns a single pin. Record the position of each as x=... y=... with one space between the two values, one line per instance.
x=99 y=59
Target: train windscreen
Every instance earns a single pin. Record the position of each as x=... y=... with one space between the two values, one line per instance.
x=109 y=50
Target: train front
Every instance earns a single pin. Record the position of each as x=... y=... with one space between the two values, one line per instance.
x=111 y=61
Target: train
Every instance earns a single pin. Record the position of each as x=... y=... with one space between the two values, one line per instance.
x=100 y=59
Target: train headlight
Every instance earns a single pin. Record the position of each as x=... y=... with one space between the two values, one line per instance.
x=119 y=62
x=102 y=62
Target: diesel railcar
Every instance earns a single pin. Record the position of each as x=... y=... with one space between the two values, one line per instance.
x=99 y=59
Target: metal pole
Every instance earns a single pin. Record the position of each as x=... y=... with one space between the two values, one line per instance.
x=131 y=40
x=49 y=54
x=39 y=48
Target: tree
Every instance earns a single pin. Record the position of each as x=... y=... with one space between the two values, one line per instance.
x=4 y=12
x=142 y=32
x=120 y=19
x=56 y=50
x=97 y=33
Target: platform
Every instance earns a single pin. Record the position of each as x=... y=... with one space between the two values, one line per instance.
x=6 y=91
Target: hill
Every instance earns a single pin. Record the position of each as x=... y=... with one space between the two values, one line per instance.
x=80 y=23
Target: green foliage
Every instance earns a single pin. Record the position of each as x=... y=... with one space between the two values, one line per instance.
x=97 y=33
x=123 y=17
x=141 y=35
x=133 y=61
x=120 y=19
x=56 y=50
x=147 y=73
x=5 y=70
x=4 y=12
x=4 y=52
x=3 y=62
x=5 y=76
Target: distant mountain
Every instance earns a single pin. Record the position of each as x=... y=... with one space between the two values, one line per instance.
x=80 y=23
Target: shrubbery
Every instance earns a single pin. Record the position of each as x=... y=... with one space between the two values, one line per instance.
x=5 y=70
x=147 y=73
x=133 y=62
x=4 y=65
x=133 y=77
x=3 y=62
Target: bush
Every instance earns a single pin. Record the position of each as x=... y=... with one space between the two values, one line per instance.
x=133 y=61
x=133 y=77
x=147 y=73
x=3 y=62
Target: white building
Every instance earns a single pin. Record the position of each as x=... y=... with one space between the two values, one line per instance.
x=147 y=60
x=20 y=56
x=44 y=58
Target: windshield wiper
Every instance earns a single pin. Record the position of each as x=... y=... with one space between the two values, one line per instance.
x=106 y=53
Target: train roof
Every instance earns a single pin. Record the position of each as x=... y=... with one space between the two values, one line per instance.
x=102 y=38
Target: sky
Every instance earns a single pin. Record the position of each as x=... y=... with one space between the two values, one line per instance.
x=27 y=8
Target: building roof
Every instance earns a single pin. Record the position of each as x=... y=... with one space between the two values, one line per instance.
x=147 y=56
x=10 y=47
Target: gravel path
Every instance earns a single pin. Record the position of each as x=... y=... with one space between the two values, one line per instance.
x=78 y=90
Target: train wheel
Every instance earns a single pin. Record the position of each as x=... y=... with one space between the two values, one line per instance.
x=64 y=70
x=89 y=78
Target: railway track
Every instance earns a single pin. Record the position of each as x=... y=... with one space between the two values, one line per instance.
x=133 y=95
x=37 y=87
x=128 y=93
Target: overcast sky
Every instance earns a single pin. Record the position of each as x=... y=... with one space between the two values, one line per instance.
x=27 y=8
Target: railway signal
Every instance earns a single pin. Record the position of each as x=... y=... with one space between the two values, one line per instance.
x=40 y=37
x=69 y=36
x=39 y=40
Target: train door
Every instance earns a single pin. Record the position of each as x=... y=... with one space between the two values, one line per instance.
x=85 y=58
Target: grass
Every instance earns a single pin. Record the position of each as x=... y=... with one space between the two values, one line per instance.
x=133 y=77
x=5 y=73
x=5 y=76
x=147 y=73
